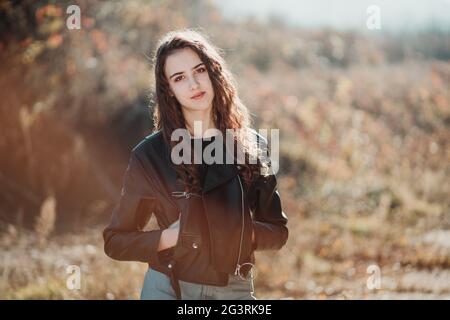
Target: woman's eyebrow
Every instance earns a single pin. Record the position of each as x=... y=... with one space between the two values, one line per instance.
x=181 y=72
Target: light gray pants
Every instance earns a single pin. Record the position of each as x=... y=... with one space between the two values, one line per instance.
x=157 y=287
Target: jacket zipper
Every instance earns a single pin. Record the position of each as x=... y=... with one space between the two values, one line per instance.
x=238 y=266
x=183 y=194
x=187 y=195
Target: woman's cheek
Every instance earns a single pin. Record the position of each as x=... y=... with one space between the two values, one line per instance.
x=180 y=91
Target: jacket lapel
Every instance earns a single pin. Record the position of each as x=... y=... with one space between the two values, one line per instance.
x=218 y=174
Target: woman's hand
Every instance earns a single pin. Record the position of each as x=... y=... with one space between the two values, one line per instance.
x=175 y=225
x=169 y=236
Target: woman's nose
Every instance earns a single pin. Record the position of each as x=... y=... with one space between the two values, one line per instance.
x=193 y=83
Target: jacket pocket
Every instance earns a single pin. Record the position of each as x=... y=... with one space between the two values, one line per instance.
x=190 y=241
x=161 y=216
x=144 y=211
x=187 y=248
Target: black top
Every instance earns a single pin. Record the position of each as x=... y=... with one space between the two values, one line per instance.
x=203 y=167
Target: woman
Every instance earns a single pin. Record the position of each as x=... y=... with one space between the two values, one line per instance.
x=212 y=215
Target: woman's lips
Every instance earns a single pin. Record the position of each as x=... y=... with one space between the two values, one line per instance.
x=198 y=96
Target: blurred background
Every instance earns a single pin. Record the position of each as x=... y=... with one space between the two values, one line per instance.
x=360 y=95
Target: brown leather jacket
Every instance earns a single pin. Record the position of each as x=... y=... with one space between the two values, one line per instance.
x=231 y=213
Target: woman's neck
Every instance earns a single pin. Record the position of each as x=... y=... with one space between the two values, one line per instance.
x=198 y=122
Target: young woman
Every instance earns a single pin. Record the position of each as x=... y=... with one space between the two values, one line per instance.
x=213 y=215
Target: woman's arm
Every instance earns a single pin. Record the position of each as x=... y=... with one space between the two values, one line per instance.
x=124 y=238
x=270 y=230
x=269 y=221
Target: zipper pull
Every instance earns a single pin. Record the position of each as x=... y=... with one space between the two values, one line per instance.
x=180 y=194
x=236 y=271
x=184 y=194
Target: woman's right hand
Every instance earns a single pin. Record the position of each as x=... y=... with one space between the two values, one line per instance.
x=169 y=236
x=175 y=225
x=174 y=232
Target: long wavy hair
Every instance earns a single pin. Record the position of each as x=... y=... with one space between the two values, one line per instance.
x=228 y=112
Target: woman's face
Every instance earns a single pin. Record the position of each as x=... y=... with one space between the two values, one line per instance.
x=188 y=77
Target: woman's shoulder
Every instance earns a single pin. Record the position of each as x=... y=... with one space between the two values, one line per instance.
x=153 y=141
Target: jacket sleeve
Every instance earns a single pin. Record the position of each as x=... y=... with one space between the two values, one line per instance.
x=124 y=238
x=269 y=220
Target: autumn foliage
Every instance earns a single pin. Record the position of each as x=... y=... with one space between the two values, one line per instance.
x=364 y=156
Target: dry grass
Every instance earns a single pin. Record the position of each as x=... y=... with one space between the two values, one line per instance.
x=326 y=257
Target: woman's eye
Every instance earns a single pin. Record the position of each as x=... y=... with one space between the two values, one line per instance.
x=178 y=78
x=201 y=70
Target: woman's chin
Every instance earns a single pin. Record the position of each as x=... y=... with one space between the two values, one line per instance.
x=198 y=107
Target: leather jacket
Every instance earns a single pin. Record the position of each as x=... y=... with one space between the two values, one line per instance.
x=150 y=187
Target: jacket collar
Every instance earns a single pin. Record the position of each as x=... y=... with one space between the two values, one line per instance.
x=216 y=174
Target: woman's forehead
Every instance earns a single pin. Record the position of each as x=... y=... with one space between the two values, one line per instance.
x=181 y=61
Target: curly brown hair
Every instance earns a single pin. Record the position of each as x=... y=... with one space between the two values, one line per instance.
x=228 y=111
